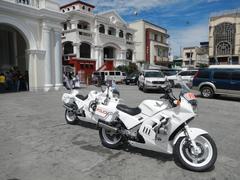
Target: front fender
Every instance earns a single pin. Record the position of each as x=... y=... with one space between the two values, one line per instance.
x=193 y=133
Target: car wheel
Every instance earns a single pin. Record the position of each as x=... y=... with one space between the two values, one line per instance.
x=207 y=92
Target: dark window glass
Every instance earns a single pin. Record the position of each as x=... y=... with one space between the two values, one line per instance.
x=73 y=7
x=184 y=73
x=236 y=76
x=118 y=73
x=203 y=74
x=221 y=75
x=89 y=9
x=192 y=73
x=111 y=73
x=83 y=7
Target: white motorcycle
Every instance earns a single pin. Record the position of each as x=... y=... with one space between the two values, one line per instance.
x=161 y=126
x=85 y=108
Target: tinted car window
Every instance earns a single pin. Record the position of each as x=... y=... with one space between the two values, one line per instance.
x=184 y=73
x=236 y=76
x=192 y=73
x=153 y=74
x=203 y=74
x=111 y=73
x=118 y=73
x=221 y=75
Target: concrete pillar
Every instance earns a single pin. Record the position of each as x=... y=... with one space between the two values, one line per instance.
x=99 y=57
x=58 y=60
x=106 y=29
x=47 y=64
x=76 y=49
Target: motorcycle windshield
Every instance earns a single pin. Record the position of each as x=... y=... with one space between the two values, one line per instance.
x=184 y=88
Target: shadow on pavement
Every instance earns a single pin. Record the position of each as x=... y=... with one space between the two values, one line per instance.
x=147 y=153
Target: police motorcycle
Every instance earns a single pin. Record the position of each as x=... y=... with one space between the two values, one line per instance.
x=162 y=126
x=85 y=108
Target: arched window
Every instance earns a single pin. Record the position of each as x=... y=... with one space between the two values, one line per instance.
x=85 y=50
x=68 y=48
x=129 y=54
x=129 y=36
x=121 y=33
x=101 y=28
x=224 y=38
x=83 y=25
x=109 y=52
x=223 y=48
x=112 y=31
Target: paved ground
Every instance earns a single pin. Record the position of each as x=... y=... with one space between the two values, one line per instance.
x=37 y=144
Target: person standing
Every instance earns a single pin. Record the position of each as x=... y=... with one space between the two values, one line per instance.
x=2 y=83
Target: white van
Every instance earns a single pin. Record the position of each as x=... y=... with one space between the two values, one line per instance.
x=117 y=76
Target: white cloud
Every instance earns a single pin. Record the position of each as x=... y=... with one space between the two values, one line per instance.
x=190 y=36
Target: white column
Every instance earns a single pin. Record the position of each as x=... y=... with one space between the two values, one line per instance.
x=99 y=57
x=47 y=64
x=76 y=49
x=58 y=60
x=92 y=52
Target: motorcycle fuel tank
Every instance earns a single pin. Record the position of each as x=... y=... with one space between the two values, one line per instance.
x=151 y=107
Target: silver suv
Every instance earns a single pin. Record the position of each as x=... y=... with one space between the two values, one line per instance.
x=151 y=79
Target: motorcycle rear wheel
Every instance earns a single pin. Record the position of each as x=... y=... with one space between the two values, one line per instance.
x=71 y=117
x=201 y=161
x=110 y=139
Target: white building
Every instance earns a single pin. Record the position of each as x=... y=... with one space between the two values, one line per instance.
x=95 y=41
x=151 y=43
x=30 y=38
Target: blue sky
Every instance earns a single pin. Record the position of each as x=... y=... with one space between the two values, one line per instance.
x=185 y=20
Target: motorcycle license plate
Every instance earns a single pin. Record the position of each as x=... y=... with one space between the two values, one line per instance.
x=189 y=96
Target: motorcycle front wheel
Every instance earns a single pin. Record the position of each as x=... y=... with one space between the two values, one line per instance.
x=201 y=160
x=71 y=117
x=110 y=139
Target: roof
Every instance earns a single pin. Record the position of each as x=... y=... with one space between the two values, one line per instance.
x=150 y=24
x=230 y=66
x=76 y=2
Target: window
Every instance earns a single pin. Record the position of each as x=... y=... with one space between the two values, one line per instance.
x=111 y=73
x=192 y=73
x=65 y=26
x=73 y=7
x=83 y=7
x=63 y=11
x=203 y=74
x=89 y=9
x=121 y=34
x=159 y=51
x=68 y=9
x=221 y=75
x=101 y=28
x=236 y=75
x=184 y=73
x=118 y=73
x=155 y=37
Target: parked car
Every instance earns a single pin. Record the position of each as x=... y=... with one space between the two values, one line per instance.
x=186 y=76
x=132 y=78
x=151 y=79
x=218 y=79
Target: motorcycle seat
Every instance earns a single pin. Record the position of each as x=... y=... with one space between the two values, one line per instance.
x=79 y=96
x=129 y=110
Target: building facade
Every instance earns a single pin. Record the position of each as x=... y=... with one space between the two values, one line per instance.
x=151 y=43
x=95 y=41
x=224 y=38
x=195 y=56
x=30 y=39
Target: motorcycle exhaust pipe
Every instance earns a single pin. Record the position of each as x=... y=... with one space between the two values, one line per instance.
x=107 y=127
